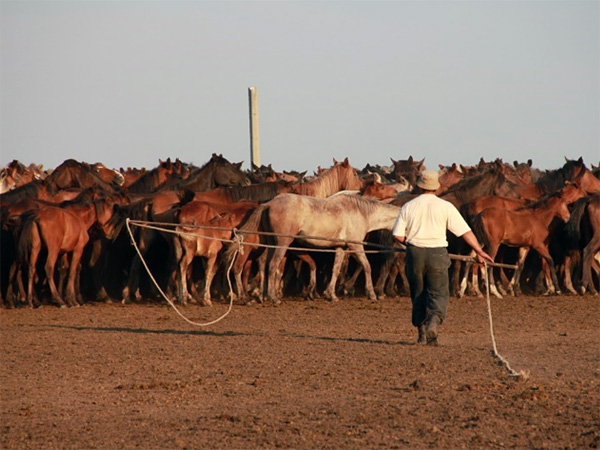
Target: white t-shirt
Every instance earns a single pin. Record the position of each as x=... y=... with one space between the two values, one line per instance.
x=425 y=219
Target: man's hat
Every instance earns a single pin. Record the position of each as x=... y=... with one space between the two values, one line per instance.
x=429 y=180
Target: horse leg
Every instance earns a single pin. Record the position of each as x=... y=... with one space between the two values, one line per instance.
x=359 y=254
x=184 y=273
x=211 y=270
x=34 y=252
x=311 y=290
x=386 y=282
x=133 y=285
x=351 y=282
x=567 y=269
x=49 y=269
x=275 y=271
x=335 y=271
x=589 y=252
x=262 y=275
x=548 y=283
x=74 y=268
x=515 y=285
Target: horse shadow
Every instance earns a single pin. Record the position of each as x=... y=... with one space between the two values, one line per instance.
x=226 y=334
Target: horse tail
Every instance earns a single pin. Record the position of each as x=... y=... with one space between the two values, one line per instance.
x=251 y=224
x=573 y=226
x=478 y=228
x=29 y=230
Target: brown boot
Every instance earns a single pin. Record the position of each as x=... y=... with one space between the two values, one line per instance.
x=421 y=338
x=432 y=330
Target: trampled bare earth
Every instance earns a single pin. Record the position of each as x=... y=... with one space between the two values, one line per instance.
x=304 y=375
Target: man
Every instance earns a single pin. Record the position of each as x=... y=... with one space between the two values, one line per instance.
x=421 y=225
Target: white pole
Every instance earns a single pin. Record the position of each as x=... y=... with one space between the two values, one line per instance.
x=254 y=129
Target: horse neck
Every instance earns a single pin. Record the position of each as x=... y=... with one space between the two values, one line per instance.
x=383 y=216
x=548 y=210
x=86 y=212
x=325 y=185
x=590 y=183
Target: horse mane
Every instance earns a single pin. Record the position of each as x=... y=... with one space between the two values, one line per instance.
x=29 y=190
x=460 y=189
x=555 y=179
x=262 y=192
x=325 y=184
x=573 y=226
x=145 y=183
x=365 y=205
x=541 y=202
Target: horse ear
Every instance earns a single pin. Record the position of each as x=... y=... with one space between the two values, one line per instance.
x=410 y=159
x=453 y=166
x=393 y=162
x=238 y=165
x=441 y=166
x=421 y=162
x=334 y=161
x=346 y=163
x=530 y=162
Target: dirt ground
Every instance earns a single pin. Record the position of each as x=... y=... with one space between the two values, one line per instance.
x=303 y=375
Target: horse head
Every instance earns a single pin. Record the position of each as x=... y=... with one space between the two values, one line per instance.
x=227 y=174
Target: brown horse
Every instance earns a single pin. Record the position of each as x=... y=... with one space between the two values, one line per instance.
x=551 y=181
x=525 y=228
x=16 y=174
x=76 y=174
x=204 y=229
x=61 y=230
x=153 y=180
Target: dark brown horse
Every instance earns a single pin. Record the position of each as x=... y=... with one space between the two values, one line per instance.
x=155 y=179
x=408 y=169
x=217 y=172
x=583 y=231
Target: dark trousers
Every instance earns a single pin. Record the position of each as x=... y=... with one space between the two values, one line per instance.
x=427 y=273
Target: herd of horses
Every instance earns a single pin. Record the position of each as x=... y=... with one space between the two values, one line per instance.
x=218 y=231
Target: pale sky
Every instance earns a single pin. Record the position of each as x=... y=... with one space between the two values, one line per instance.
x=127 y=83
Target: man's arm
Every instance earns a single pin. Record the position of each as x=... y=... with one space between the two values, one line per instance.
x=470 y=239
x=401 y=239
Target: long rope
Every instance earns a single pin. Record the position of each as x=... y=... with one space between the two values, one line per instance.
x=238 y=239
x=199 y=324
x=503 y=361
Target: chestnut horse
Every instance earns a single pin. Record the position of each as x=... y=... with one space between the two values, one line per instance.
x=76 y=174
x=203 y=229
x=61 y=230
x=525 y=228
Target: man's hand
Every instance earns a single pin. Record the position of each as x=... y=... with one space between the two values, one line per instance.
x=483 y=257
